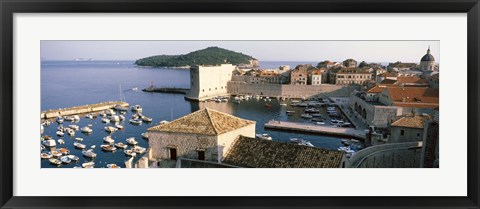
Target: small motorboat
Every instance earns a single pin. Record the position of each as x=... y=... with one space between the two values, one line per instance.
x=312 y=110
x=88 y=164
x=86 y=129
x=74 y=127
x=320 y=123
x=60 y=133
x=132 y=141
x=90 y=116
x=130 y=152
x=145 y=135
x=64 y=151
x=110 y=112
x=79 y=139
x=55 y=161
x=146 y=119
x=118 y=107
x=59 y=120
x=61 y=141
x=122 y=117
x=163 y=122
x=108 y=139
x=105 y=120
x=79 y=145
x=135 y=121
x=307 y=116
x=136 y=108
x=73 y=157
x=71 y=132
x=110 y=129
x=283 y=104
x=65 y=160
x=112 y=166
x=108 y=148
x=263 y=136
x=44 y=155
x=139 y=150
x=300 y=141
x=119 y=127
x=102 y=114
x=268 y=105
x=114 y=118
x=93 y=147
x=89 y=153
x=55 y=153
x=68 y=118
x=46 y=123
x=121 y=145
x=49 y=143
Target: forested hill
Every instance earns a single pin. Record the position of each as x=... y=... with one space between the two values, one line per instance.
x=208 y=56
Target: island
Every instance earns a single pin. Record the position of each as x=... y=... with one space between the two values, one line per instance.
x=208 y=56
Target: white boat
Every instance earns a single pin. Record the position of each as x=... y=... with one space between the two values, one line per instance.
x=312 y=110
x=110 y=129
x=86 y=129
x=49 y=143
x=145 y=135
x=105 y=120
x=132 y=141
x=283 y=104
x=42 y=147
x=88 y=164
x=74 y=127
x=302 y=142
x=55 y=161
x=44 y=155
x=112 y=166
x=76 y=118
x=236 y=101
x=59 y=119
x=136 y=108
x=135 y=121
x=263 y=136
x=139 y=150
x=55 y=153
x=59 y=133
x=90 y=116
x=307 y=116
x=71 y=132
x=108 y=139
x=121 y=145
x=89 y=153
x=68 y=118
x=122 y=117
x=93 y=147
x=46 y=123
x=79 y=145
x=119 y=127
x=79 y=139
x=163 y=122
x=118 y=107
x=114 y=118
x=130 y=153
x=108 y=148
x=102 y=114
x=65 y=160
x=73 y=157
x=61 y=141
x=109 y=112
x=320 y=123
x=146 y=119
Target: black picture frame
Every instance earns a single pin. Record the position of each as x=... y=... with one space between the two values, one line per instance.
x=10 y=7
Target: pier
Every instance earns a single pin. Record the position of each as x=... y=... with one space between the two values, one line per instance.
x=317 y=129
x=171 y=90
x=81 y=109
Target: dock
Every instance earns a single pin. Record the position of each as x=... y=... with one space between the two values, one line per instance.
x=171 y=90
x=315 y=129
x=81 y=109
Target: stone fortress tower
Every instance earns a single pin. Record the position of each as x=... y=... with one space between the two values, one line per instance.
x=209 y=81
x=427 y=63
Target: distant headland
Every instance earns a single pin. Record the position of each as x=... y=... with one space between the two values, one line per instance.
x=208 y=56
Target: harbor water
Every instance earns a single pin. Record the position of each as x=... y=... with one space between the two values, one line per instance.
x=69 y=83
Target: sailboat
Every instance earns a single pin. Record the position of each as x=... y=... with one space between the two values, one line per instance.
x=122 y=98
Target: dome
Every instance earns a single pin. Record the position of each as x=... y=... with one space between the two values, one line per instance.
x=427 y=57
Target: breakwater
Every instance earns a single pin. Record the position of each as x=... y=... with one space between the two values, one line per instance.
x=81 y=109
x=166 y=90
x=316 y=129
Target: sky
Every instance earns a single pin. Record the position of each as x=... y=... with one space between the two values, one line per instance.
x=369 y=51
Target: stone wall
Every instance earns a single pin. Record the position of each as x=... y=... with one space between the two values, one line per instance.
x=80 y=109
x=376 y=115
x=226 y=140
x=209 y=81
x=397 y=155
x=409 y=134
x=289 y=91
x=187 y=145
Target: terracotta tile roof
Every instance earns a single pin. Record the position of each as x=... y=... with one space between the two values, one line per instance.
x=256 y=153
x=205 y=122
x=416 y=105
x=411 y=121
x=388 y=81
x=411 y=79
x=316 y=72
x=376 y=89
x=413 y=94
x=402 y=65
x=389 y=74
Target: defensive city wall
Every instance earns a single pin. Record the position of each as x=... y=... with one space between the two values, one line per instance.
x=289 y=91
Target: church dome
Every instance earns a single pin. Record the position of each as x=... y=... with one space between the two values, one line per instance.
x=427 y=57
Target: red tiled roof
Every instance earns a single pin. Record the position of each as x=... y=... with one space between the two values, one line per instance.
x=413 y=94
x=411 y=121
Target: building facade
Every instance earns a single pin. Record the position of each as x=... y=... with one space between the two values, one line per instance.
x=352 y=76
x=350 y=63
x=427 y=63
x=299 y=76
x=209 y=81
x=315 y=77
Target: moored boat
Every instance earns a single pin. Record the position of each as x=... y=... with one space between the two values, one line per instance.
x=73 y=157
x=86 y=129
x=59 y=133
x=112 y=166
x=139 y=150
x=145 y=135
x=108 y=148
x=55 y=161
x=88 y=164
x=49 y=143
x=136 y=108
x=61 y=141
x=64 y=151
x=130 y=152
x=121 y=145
x=263 y=136
x=110 y=129
x=65 y=160
x=132 y=141
x=307 y=116
x=44 y=155
x=79 y=145
x=108 y=139
x=146 y=119
x=135 y=121
x=89 y=153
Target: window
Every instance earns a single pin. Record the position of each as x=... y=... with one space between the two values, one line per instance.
x=203 y=90
x=418 y=134
x=173 y=154
x=402 y=132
